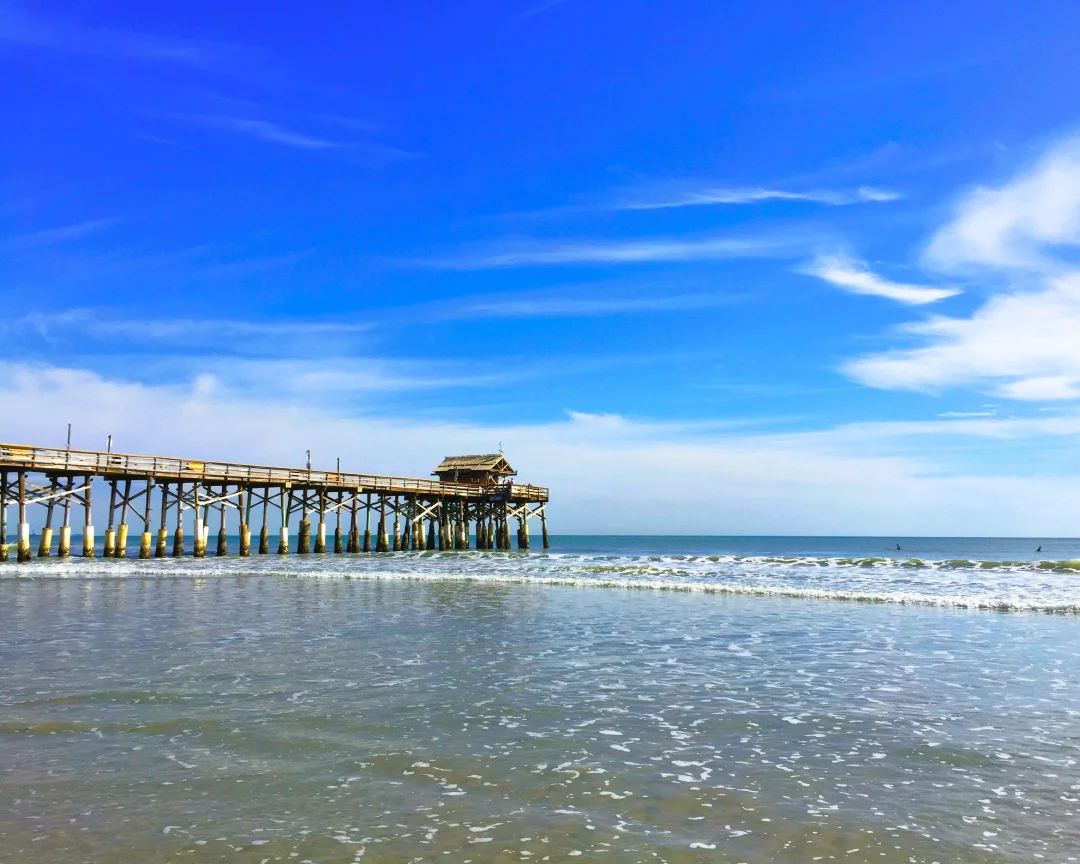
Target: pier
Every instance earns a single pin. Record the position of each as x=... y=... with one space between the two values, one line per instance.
x=473 y=502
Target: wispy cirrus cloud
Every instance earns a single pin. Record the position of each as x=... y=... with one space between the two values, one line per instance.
x=856 y=277
x=264 y=130
x=173 y=329
x=636 y=251
x=277 y=133
x=52 y=236
x=714 y=195
x=21 y=28
x=541 y=8
x=583 y=307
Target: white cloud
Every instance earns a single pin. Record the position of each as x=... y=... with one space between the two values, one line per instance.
x=752 y=195
x=1009 y=226
x=553 y=306
x=855 y=277
x=264 y=130
x=61 y=35
x=608 y=474
x=1022 y=343
x=52 y=236
x=623 y=252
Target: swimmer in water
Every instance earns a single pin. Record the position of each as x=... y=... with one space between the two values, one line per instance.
x=897 y=547
x=1039 y=549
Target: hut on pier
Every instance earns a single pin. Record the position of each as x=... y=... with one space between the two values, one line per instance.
x=491 y=469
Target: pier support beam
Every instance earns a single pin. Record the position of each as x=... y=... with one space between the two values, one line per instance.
x=264 y=531
x=178 y=535
x=64 y=549
x=354 y=530
x=283 y=543
x=244 y=507
x=24 y=526
x=222 y=535
x=110 y=531
x=543 y=528
x=303 y=535
x=144 y=544
x=200 y=530
x=45 y=543
x=382 y=544
x=3 y=516
x=88 y=526
x=122 y=531
x=367 y=524
x=339 y=546
x=162 y=547
x=320 y=537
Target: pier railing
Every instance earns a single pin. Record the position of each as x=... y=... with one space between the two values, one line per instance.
x=52 y=460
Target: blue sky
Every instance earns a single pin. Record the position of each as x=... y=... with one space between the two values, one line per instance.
x=702 y=267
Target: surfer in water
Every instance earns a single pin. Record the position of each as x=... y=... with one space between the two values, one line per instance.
x=1039 y=549
x=897 y=547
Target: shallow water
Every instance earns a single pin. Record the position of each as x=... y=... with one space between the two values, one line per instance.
x=494 y=707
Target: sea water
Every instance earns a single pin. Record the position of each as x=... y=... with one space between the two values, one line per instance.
x=620 y=699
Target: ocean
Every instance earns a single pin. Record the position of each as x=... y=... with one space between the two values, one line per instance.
x=676 y=699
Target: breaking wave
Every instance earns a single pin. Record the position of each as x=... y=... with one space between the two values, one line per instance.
x=1049 y=586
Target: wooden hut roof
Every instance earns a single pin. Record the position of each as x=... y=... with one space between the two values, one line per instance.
x=494 y=462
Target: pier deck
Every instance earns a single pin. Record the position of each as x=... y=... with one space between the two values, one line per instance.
x=65 y=479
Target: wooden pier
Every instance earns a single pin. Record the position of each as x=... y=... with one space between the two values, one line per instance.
x=474 y=497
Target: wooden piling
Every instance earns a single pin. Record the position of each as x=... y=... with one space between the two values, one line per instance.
x=122 y=531
x=339 y=544
x=264 y=531
x=303 y=535
x=178 y=534
x=397 y=536
x=162 y=547
x=200 y=530
x=222 y=535
x=283 y=544
x=88 y=525
x=244 y=506
x=24 y=526
x=144 y=545
x=367 y=524
x=354 y=529
x=3 y=516
x=543 y=528
x=64 y=548
x=523 y=531
x=45 y=542
x=320 y=537
x=407 y=531
x=383 y=542
x=430 y=533
x=110 y=531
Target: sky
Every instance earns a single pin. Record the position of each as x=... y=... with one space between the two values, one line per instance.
x=699 y=267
